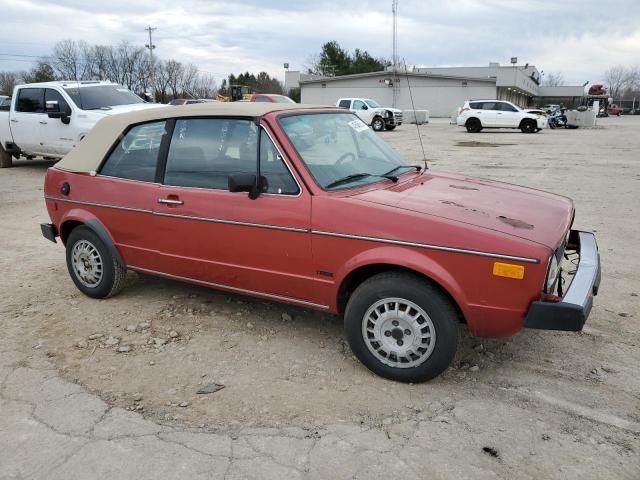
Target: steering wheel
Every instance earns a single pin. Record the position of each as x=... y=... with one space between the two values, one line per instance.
x=344 y=157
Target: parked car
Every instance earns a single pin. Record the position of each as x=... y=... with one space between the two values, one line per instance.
x=49 y=119
x=372 y=113
x=478 y=114
x=5 y=103
x=615 y=110
x=190 y=101
x=270 y=98
x=224 y=196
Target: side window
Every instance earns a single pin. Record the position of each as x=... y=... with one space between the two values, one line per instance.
x=476 y=105
x=272 y=167
x=205 y=151
x=358 y=105
x=505 y=107
x=345 y=104
x=136 y=155
x=262 y=99
x=53 y=95
x=30 y=100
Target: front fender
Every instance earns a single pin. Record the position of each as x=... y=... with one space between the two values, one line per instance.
x=89 y=220
x=404 y=257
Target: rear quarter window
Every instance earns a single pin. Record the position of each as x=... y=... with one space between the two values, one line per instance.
x=135 y=157
x=476 y=105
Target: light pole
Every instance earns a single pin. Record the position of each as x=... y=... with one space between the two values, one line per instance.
x=151 y=47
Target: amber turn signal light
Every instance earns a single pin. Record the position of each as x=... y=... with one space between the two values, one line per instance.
x=508 y=270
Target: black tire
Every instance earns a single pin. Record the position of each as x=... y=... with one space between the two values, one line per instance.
x=473 y=125
x=113 y=273
x=390 y=127
x=6 y=160
x=528 y=126
x=407 y=287
x=377 y=124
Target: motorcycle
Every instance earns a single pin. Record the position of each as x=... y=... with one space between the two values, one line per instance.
x=557 y=119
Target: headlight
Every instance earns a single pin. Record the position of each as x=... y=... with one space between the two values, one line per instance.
x=552 y=274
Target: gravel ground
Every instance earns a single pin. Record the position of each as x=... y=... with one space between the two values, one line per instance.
x=296 y=403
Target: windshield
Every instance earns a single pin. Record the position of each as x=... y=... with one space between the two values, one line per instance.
x=372 y=103
x=281 y=99
x=102 y=96
x=335 y=146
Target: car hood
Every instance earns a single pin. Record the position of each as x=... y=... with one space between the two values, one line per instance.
x=522 y=212
x=126 y=108
x=390 y=109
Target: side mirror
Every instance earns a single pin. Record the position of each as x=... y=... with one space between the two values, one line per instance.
x=246 y=182
x=52 y=109
x=364 y=107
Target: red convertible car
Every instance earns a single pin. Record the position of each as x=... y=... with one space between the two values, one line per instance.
x=309 y=206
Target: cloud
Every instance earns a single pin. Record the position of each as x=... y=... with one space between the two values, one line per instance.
x=581 y=39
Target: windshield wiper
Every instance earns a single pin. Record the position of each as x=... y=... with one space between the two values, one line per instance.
x=356 y=176
x=395 y=169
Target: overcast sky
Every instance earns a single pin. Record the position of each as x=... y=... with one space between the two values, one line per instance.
x=580 y=39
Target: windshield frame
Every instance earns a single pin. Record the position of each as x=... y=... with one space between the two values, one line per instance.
x=341 y=189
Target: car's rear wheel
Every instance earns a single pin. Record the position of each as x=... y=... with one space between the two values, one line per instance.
x=401 y=327
x=473 y=125
x=528 y=126
x=377 y=124
x=6 y=160
x=94 y=270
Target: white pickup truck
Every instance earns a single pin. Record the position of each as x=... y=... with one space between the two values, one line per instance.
x=372 y=113
x=49 y=119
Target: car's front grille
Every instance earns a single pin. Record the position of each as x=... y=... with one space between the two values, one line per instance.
x=397 y=117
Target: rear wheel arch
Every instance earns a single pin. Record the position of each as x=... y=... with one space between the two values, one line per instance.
x=362 y=273
x=97 y=227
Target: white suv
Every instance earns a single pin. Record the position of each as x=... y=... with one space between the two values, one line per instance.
x=478 y=114
x=372 y=113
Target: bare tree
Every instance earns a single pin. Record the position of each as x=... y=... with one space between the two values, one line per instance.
x=553 y=79
x=205 y=86
x=8 y=80
x=617 y=79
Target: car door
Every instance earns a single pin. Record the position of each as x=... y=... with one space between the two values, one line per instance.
x=27 y=120
x=227 y=239
x=507 y=115
x=125 y=190
x=57 y=137
x=362 y=111
x=487 y=114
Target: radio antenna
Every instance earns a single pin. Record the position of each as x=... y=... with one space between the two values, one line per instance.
x=415 y=117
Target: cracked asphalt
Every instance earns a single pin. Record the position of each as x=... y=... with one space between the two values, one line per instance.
x=540 y=405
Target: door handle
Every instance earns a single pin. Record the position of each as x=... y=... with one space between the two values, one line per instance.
x=170 y=201
x=14 y=120
x=43 y=122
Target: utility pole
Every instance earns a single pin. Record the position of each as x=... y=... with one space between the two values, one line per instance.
x=394 y=58
x=151 y=47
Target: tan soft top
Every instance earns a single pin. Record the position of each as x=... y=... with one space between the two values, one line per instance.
x=88 y=154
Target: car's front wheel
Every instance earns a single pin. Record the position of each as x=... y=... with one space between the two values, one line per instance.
x=528 y=126
x=402 y=327
x=377 y=124
x=94 y=270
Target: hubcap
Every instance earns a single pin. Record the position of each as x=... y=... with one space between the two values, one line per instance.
x=398 y=333
x=87 y=263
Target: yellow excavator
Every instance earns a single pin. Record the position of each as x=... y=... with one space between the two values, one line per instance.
x=237 y=93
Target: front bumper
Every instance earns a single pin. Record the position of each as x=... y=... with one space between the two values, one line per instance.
x=572 y=311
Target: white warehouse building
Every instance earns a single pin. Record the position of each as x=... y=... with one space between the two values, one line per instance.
x=440 y=90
